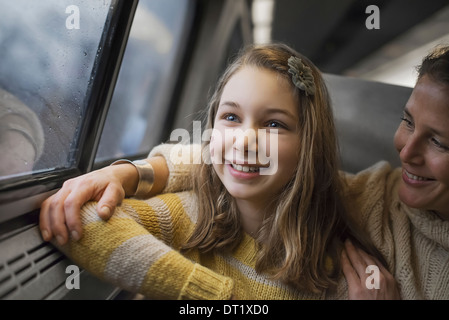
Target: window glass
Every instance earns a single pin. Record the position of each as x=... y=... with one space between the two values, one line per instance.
x=140 y=105
x=47 y=53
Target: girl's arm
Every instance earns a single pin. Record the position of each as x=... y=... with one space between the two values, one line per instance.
x=135 y=250
x=60 y=213
x=179 y=161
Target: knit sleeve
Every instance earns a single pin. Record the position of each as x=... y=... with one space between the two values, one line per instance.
x=368 y=199
x=365 y=191
x=180 y=160
x=137 y=250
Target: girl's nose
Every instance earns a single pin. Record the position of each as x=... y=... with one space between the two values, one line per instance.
x=246 y=141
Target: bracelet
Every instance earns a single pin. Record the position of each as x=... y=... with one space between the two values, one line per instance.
x=146 y=176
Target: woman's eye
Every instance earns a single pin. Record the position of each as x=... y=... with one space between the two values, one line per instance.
x=439 y=145
x=407 y=122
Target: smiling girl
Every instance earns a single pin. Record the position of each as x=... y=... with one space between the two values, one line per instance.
x=239 y=234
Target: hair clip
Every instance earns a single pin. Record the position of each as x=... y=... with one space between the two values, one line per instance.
x=301 y=75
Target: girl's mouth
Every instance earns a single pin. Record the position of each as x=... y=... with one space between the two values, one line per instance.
x=246 y=169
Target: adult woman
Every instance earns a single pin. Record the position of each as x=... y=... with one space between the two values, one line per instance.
x=406 y=211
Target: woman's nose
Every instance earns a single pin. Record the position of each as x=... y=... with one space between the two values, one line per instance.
x=412 y=150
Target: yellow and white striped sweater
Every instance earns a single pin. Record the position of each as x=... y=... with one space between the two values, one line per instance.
x=138 y=250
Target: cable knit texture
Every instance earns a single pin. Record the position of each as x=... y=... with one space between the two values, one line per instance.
x=180 y=159
x=414 y=242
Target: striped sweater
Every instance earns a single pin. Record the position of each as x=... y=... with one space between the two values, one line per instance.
x=138 y=250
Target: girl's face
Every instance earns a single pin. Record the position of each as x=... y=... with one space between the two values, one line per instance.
x=255 y=104
x=422 y=140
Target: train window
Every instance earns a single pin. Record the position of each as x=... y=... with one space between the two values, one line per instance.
x=48 y=51
x=141 y=102
x=60 y=61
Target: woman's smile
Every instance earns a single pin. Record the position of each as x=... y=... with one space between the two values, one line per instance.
x=415 y=180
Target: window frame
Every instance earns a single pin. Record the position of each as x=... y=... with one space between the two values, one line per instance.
x=35 y=187
x=181 y=65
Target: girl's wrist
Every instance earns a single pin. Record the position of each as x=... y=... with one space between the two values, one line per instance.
x=127 y=175
x=145 y=178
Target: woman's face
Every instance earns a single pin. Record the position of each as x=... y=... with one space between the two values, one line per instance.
x=422 y=141
x=252 y=160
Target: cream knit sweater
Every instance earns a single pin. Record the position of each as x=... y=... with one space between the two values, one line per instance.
x=414 y=242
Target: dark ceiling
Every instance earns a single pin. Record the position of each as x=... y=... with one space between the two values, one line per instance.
x=333 y=33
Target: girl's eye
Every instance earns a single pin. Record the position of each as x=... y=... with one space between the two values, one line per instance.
x=275 y=124
x=230 y=117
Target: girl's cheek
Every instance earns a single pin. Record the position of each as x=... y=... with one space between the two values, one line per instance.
x=212 y=148
x=216 y=147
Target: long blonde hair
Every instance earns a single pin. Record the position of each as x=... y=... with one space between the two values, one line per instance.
x=309 y=221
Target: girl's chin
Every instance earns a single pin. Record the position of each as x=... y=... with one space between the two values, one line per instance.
x=241 y=194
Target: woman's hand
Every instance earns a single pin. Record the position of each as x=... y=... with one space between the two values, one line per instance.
x=60 y=213
x=354 y=263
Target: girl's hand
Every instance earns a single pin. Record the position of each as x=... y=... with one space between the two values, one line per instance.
x=60 y=213
x=354 y=263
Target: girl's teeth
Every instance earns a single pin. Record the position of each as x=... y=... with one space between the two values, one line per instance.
x=245 y=168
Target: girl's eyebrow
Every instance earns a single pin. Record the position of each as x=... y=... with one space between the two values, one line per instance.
x=230 y=104
x=267 y=111
x=283 y=111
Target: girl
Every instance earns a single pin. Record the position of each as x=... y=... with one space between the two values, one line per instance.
x=239 y=233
